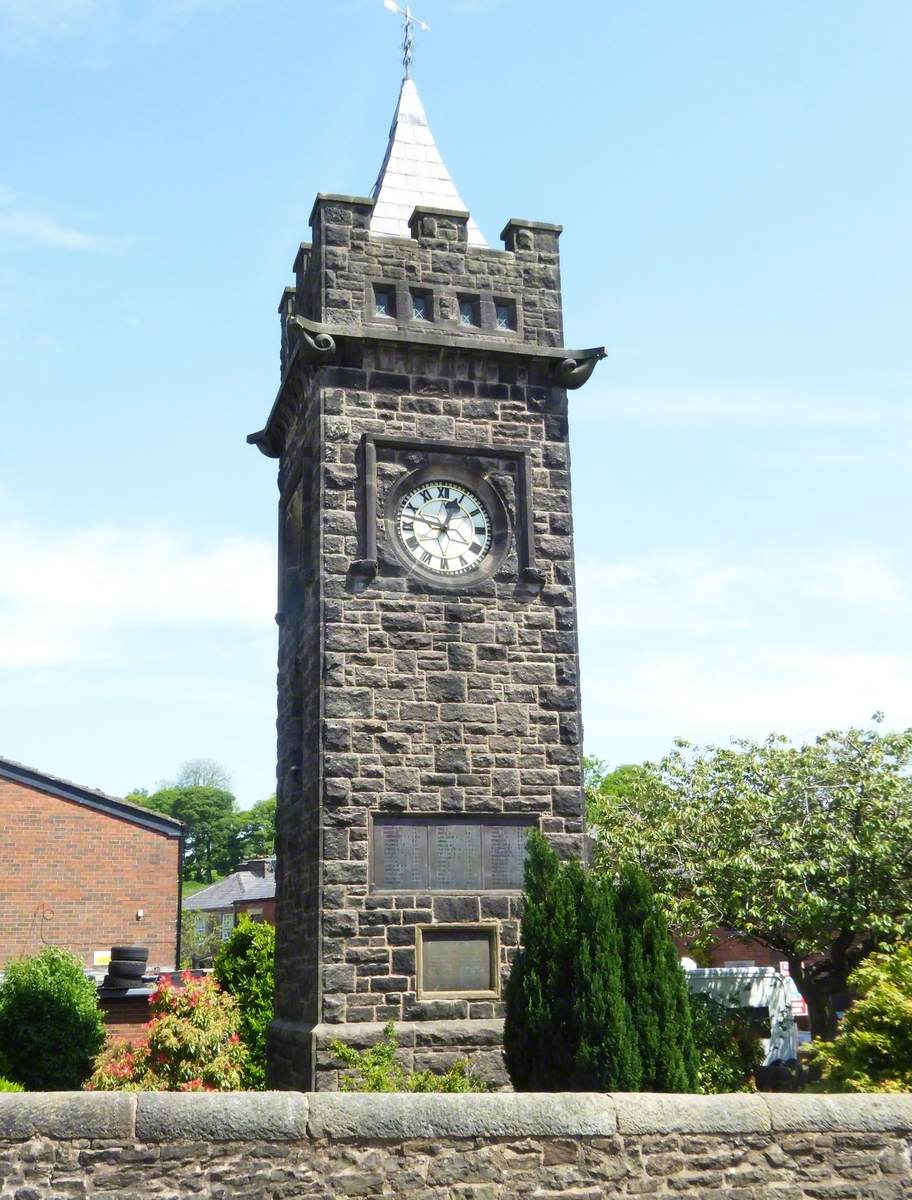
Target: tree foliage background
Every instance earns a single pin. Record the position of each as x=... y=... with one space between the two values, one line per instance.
x=873 y=1051
x=596 y=999
x=807 y=849
x=218 y=835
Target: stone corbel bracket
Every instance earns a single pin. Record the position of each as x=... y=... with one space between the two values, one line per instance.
x=572 y=373
x=311 y=343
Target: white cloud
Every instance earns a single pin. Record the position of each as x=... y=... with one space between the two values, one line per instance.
x=691 y=595
x=744 y=689
x=23 y=217
x=31 y=20
x=675 y=594
x=799 y=644
x=61 y=598
x=27 y=25
x=738 y=406
x=860 y=578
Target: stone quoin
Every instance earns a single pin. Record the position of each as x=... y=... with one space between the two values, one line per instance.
x=428 y=688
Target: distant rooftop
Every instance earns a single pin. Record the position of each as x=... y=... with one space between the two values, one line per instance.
x=241 y=885
x=413 y=173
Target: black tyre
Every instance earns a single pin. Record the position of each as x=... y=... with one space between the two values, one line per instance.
x=125 y=968
x=121 y=984
x=134 y=953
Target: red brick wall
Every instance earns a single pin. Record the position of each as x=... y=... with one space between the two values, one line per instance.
x=125 y=1020
x=74 y=877
x=267 y=907
x=729 y=948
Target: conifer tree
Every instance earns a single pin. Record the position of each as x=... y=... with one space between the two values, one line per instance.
x=568 y=1026
x=655 y=989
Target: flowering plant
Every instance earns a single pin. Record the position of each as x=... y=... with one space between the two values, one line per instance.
x=191 y=1044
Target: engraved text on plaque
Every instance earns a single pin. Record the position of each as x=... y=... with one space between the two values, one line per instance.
x=442 y=853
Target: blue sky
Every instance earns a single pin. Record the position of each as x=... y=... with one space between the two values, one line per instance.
x=735 y=185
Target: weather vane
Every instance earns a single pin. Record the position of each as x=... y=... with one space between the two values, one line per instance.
x=409 y=22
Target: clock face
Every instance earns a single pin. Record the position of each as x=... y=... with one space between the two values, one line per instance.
x=444 y=527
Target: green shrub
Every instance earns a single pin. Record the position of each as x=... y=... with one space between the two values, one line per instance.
x=376 y=1070
x=6 y=1085
x=728 y=1050
x=568 y=1024
x=245 y=967
x=51 y=1027
x=656 y=989
x=192 y=1044
x=873 y=1050
x=199 y=946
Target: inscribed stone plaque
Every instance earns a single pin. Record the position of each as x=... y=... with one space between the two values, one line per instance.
x=448 y=854
x=400 y=855
x=455 y=856
x=457 y=960
x=503 y=858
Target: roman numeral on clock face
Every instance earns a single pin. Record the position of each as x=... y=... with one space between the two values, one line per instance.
x=444 y=528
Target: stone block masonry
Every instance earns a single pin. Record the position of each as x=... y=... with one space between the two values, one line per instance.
x=450 y=700
x=270 y=1145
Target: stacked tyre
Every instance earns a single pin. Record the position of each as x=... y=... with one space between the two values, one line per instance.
x=127 y=966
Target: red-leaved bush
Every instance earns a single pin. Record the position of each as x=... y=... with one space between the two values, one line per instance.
x=191 y=1044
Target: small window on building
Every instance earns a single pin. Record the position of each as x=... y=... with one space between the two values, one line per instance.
x=421 y=306
x=201 y=924
x=469 y=310
x=384 y=301
x=227 y=925
x=504 y=314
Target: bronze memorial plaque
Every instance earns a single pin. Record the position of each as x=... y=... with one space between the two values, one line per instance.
x=455 y=855
x=457 y=960
x=400 y=855
x=447 y=853
x=504 y=853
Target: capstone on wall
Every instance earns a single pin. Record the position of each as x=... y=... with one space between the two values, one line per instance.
x=267 y=1146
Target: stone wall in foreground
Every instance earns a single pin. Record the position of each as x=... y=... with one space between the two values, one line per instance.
x=447 y=1147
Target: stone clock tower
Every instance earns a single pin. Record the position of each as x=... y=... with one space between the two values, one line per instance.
x=428 y=676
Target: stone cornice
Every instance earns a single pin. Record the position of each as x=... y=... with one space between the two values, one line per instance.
x=318 y=345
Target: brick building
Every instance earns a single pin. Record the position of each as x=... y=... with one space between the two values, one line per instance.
x=83 y=870
x=250 y=889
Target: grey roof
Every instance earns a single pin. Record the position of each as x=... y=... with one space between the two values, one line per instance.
x=64 y=789
x=263 y=889
x=242 y=885
x=413 y=173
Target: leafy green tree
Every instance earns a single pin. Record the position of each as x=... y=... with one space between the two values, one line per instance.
x=568 y=1026
x=211 y=842
x=873 y=1051
x=603 y=785
x=728 y=1049
x=804 y=848
x=245 y=967
x=201 y=939
x=257 y=829
x=655 y=988
x=203 y=773
x=51 y=1027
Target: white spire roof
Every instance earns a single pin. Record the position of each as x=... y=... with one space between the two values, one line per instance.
x=413 y=173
